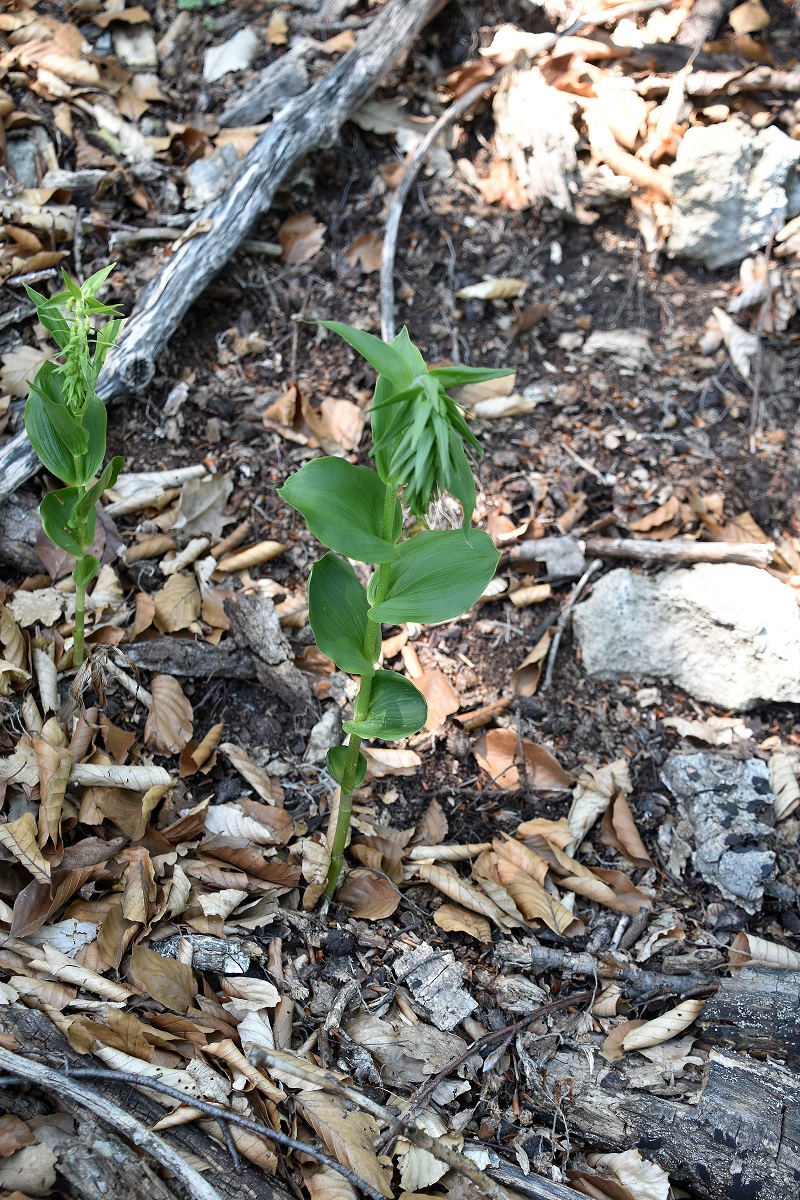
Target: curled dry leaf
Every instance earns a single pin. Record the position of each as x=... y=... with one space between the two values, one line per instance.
x=556 y=832
x=55 y=764
x=300 y=238
x=454 y=919
x=432 y=829
x=382 y=761
x=177 y=604
x=170 y=721
x=592 y=795
x=166 y=980
x=493 y=289
x=259 y=779
x=133 y=779
x=369 y=894
x=442 y=698
x=525 y=679
x=348 y=1134
x=201 y=756
x=365 y=252
x=747 y=950
x=448 y=853
x=459 y=890
x=644 y=1180
x=498 y=752
x=535 y=594
x=612 y=1050
x=785 y=787
x=535 y=903
x=665 y=1027
x=250 y=556
x=20 y=837
x=521 y=857
x=323 y=1183
x=619 y=830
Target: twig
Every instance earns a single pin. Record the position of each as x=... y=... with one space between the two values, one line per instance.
x=115 y=1117
x=756 y=405
x=223 y=1115
x=648 y=550
x=577 y=592
x=451 y=114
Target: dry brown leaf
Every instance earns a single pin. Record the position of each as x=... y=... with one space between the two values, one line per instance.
x=365 y=252
x=169 y=723
x=20 y=366
x=66 y=970
x=177 y=604
x=784 y=785
x=619 y=830
x=14 y=1133
x=323 y=1183
x=425 y=853
x=348 y=1134
x=20 y=837
x=715 y=731
x=493 y=289
x=454 y=919
x=55 y=765
x=535 y=903
x=522 y=857
x=260 y=780
x=11 y=640
x=441 y=697
x=201 y=756
x=555 y=832
x=251 y=556
x=387 y=761
x=747 y=950
x=525 y=679
x=611 y=888
x=592 y=795
x=665 y=1027
x=432 y=829
x=474 y=393
x=166 y=980
x=750 y=17
x=536 y=593
x=300 y=238
x=277 y=28
x=139 y=880
x=663 y=522
x=369 y=895
x=498 y=753
x=611 y=1050
x=464 y=894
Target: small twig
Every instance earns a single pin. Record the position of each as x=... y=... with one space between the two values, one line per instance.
x=217 y=1111
x=225 y=1126
x=575 y=596
x=115 y=1117
x=756 y=404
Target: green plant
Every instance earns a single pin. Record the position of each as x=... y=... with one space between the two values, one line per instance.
x=66 y=424
x=420 y=444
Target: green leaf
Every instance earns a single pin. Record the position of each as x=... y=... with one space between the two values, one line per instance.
x=88 y=501
x=106 y=337
x=85 y=570
x=458 y=376
x=384 y=358
x=337 y=756
x=56 y=511
x=388 y=419
x=72 y=287
x=396 y=709
x=343 y=507
x=339 y=615
x=411 y=354
x=59 y=440
x=51 y=316
x=461 y=481
x=92 y=285
x=437 y=575
x=94 y=422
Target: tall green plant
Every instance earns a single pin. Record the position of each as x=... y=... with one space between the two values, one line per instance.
x=66 y=424
x=420 y=446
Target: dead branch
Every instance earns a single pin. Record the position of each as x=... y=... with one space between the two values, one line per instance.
x=117 y=1118
x=309 y=121
x=751 y=554
x=730 y=83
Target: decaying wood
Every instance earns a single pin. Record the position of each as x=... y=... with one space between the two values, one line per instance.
x=37 y=1034
x=727 y=83
x=758 y=1012
x=194 y=660
x=282 y=80
x=648 y=550
x=703 y=21
x=306 y=123
x=19 y=526
x=256 y=629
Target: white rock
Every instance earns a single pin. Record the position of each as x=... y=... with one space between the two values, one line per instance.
x=234 y=55
x=733 y=189
x=725 y=633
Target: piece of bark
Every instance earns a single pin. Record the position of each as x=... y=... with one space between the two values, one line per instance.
x=758 y=1012
x=256 y=627
x=280 y=81
x=19 y=528
x=648 y=550
x=727 y=83
x=536 y=135
x=703 y=21
x=308 y=122
x=736 y=1137
x=37 y=1035
x=195 y=660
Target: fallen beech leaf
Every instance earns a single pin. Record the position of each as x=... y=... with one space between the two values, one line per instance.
x=515 y=405
x=522 y=857
x=493 y=289
x=118 y=1060
x=742 y=345
x=619 y=830
x=535 y=903
x=14 y=1133
x=67 y=970
x=611 y=888
x=348 y=1134
x=611 y=1050
x=785 y=787
x=750 y=17
x=535 y=594
x=715 y=731
x=498 y=753
x=55 y=764
x=259 y=993
x=432 y=829
x=555 y=832
x=666 y=514
x=251 y=556
x=454 y=919
x=323 y=1183
x=748 y=950
x=369 y=895
x=43 y=606
x=32 y=1167
x=259 y=779
x=234 y=820
x=139 y=879
x=177 y=604
x=20 y=366
x=20 y=837
x=277 y=28
x=529 y=318
x=382 y=761
x=201 y=756
x=447 y=853
x=365 y=252
x=644 y=1180
x=300 y=238
x=169 y=723
x=473 y=393
x=592 y=795
x=166 y=980
x=11 y=640
x=441 y=697
x=667 y=1026
x=133 y=779
x=525 y=680
x=463 y=893
x=40 y=992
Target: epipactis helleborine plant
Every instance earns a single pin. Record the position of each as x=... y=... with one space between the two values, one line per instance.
x=420 y=441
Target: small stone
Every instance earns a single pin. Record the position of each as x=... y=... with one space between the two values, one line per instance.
x=234 y=55
x=647 y=697
x=326 y=733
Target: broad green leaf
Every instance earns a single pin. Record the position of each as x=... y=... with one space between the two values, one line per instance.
x=85 y=570
x=56 y=511
x=72 y=287
x=59 y=440
x=343 y=507
x=94 y=421
x=337 y=756
x=92 y=285
x=51 y=316
x=396 y=709
x=385 y=359
x=411 y=354
x=458 y=376
x=437 y=575
x=339 y=614
x=88 y=501
x=461 y=481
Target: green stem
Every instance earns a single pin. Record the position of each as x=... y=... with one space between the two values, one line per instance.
x=80 y=610
x=360 y=709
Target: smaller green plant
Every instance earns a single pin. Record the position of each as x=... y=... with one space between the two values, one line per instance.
x=420 y=447
x=66 y=423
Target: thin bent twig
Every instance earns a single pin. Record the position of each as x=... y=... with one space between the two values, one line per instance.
x=577 y=592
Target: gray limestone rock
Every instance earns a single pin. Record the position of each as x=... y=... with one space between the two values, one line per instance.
x=725 y=633
x=734 y=188
x=721 y=803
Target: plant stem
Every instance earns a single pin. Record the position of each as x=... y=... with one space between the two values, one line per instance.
x=80 y=610
x=360 y=710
